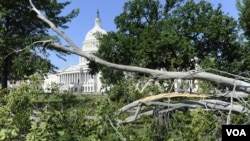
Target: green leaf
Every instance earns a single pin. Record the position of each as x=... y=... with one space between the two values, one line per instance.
x=61 y=133
x=43 y=125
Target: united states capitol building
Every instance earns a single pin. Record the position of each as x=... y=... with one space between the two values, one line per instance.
x=77 y=78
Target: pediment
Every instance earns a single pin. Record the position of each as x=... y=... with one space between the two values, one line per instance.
x=71 y=69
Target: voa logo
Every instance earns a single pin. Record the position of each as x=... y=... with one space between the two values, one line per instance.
x=236 y=132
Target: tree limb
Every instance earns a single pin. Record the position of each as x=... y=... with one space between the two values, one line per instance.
x=233 y=94
x=209 y=104
x=53 y=27
x=158 y=97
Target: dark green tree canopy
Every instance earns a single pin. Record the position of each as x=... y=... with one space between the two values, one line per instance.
x=244 y=26
x=244 y=16
x=19 y=29
x=167 y=36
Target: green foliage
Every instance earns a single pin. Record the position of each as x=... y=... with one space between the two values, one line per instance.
x=24 y=117
x=205 y=87
x=192 y=125
x=244 y=26
x=126 y=91
x=168 y=36
x=149 y=35
x=16 y=109
x=244 y=16
x=123 y=92
x=53 y=125
x=8 y=130
x=19 y=29
x=26 y=114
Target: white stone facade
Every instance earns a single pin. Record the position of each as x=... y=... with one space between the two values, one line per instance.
x=76 y=78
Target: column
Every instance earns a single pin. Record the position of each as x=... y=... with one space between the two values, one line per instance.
x=74 y=76
x=60 y=79
x=84 y=77
x=64 y=80
x=70 y=77
x=67 y=78
x=78 y=77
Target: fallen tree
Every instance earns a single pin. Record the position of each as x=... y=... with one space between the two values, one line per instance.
x=208 y=104
x=156 y=74
x=240 y=89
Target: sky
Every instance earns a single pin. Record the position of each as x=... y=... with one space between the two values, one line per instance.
x=109 y=9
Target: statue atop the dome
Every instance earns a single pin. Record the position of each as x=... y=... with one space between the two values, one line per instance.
x=97 y=14
x=98 y=20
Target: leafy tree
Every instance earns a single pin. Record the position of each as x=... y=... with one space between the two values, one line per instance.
x=168 y=36
x=19 y=29
x=174 y=117
x=207 y=33
x=244 y=15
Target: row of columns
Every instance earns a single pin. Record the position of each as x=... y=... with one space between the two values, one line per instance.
x=74 y=78
x=79 y=78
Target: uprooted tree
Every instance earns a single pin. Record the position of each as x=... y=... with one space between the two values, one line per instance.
x=233 y=100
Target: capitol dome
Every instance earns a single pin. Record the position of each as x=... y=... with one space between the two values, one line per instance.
x=77 y=78
x=91 y=35
x=90 y=43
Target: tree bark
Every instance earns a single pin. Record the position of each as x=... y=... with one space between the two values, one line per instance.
x=207 y=104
